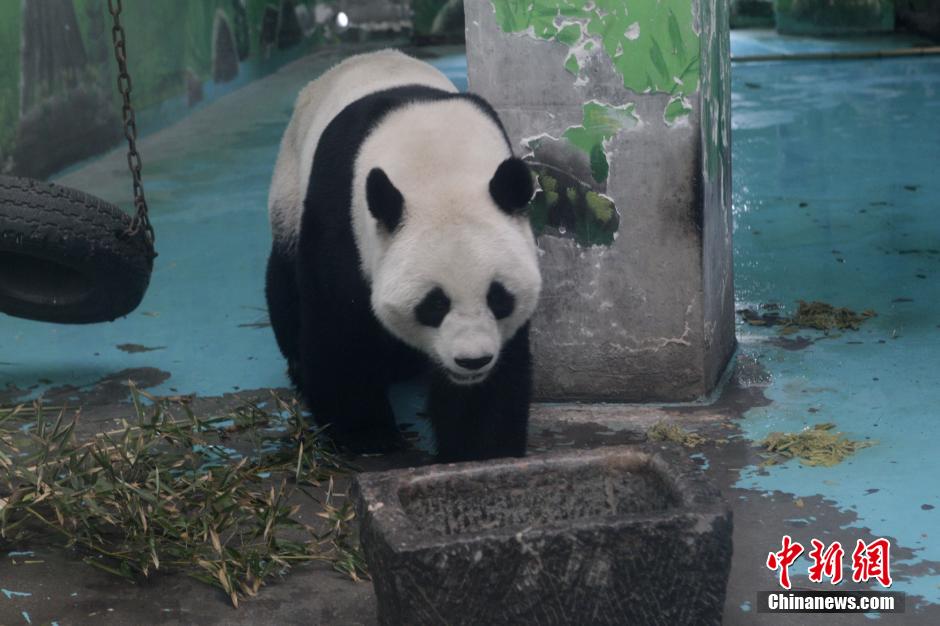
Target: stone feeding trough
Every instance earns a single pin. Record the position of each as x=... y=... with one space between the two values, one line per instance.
x=618 y=535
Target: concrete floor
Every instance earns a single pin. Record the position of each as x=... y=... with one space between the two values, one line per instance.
x=834 y=191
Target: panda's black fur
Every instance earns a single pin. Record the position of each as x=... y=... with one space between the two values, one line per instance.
x=339 y=356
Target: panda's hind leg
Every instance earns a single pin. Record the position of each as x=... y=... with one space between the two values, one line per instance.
x=284 y=308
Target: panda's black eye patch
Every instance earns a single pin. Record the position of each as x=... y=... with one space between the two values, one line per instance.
x=433 y=308
x=500 y=301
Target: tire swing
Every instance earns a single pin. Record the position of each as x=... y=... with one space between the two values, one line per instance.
x=67 y=256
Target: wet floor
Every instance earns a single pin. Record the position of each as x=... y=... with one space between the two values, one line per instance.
x=835 y=199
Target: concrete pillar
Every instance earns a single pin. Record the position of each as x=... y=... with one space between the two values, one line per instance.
x=623 y=108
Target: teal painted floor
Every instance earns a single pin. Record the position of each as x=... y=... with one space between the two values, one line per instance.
x=836 y=198
x=753 y=42
x=208 y=197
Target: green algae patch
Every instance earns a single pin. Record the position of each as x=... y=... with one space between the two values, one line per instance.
x=813 y=315
x=818 y=445
x=674 y=433
x=601 y=123
x=653 y=46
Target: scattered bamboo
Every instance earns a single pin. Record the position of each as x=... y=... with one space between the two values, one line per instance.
x=674 y=433
x=162 y=493
x=816 y=445
x=809 y=315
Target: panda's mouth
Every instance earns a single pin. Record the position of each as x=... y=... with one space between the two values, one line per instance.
x=466 y=379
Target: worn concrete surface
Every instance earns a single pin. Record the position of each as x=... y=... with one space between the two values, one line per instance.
x=57 y=587
x=572 y=536
x=649 y=317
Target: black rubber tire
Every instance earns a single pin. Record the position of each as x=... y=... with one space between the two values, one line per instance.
x=65 y=257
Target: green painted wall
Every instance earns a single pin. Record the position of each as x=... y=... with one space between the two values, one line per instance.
x=170 y=49
x=168 y=37
x=9 y=75
x=716 y=96
x=652 y=45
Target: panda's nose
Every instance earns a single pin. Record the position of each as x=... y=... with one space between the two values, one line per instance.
x=475 y=363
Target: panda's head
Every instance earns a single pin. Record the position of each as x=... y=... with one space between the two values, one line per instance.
x=456 y=274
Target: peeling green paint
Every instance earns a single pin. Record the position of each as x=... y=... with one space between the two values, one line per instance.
x=716 y=93
x=677 y=109
x=569 y=35
x=652 y=45
x=601 y=123
x=572 y=65
x=578 y=213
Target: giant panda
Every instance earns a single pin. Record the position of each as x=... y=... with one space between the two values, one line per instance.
x=401 y=243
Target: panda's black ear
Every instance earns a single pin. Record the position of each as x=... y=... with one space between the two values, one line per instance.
x=512 y=185
x=386 y=203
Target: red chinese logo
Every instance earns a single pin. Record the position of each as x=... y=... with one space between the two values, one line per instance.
x=784 y=559
x=872 y=561
x=869 y=561
x=826 y=563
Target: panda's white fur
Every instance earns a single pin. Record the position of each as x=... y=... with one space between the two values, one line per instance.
x=453 y=234
x=316 y=105
x=441 y=154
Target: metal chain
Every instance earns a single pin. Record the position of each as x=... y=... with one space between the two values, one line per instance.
x=141 y=218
